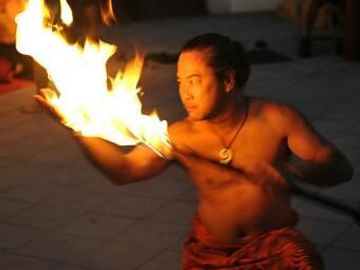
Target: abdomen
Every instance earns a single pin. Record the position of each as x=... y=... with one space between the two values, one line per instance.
x=242 y=209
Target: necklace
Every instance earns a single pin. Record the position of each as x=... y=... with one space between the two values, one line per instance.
x=225 y=154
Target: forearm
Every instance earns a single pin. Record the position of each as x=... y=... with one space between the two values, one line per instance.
x=333 y=170
x=105 y=157
x=141 y=163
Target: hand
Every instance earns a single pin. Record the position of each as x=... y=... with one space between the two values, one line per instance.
x=46 y=94
x=265 y=173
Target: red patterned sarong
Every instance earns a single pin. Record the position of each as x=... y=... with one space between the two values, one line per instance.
x=285 y=248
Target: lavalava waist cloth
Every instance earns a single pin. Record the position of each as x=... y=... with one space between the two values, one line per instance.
x=284 y=248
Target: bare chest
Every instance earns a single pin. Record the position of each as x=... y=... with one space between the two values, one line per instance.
x=251 y=145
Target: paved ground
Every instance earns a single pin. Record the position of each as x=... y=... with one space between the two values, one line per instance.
x=57 y=212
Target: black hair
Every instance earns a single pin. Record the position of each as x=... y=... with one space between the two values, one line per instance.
x=223 y=55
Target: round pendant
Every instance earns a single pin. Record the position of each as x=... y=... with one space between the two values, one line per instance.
x=225 y=155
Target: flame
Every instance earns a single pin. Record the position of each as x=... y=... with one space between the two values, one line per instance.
x=66 y=13
x=107 y=13
x=83 y=96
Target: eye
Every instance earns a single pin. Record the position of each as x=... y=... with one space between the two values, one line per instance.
x=195 y=81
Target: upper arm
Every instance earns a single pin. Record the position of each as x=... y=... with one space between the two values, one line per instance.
x=315 y=159
x=302 y=139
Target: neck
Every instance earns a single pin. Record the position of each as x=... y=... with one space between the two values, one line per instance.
x=227 y=126
x=230 y=114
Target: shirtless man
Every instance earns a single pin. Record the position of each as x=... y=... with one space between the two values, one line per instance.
x=308 y=15
x=237 y=151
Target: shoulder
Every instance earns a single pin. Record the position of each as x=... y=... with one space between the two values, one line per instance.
x=269 y=107
x=179 y=131
x=279 y=115
x=180 y=127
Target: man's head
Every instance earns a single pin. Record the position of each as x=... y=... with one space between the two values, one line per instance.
x=210 y=68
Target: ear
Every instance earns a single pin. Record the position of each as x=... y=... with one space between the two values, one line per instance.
x=229 y=81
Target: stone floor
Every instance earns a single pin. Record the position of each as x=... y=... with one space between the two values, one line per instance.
x=58 y=212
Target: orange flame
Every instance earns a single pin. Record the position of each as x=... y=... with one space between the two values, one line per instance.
x=107 y=13
x=79 y=74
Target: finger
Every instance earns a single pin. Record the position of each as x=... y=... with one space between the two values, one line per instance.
x=41 y=100
x=50 y=108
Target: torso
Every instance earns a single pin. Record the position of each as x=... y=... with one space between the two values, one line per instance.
x=233 y=203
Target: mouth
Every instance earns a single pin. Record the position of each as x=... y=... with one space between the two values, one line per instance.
x=190 y=108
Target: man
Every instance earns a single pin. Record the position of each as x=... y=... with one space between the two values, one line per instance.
x=236 y=150
x=19 y=65
x=88 y=16
x=308 y=15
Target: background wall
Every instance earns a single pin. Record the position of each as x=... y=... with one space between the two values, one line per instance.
x=133 y=10
x=234 y=6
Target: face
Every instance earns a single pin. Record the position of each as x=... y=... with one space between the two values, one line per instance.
x=201 y=92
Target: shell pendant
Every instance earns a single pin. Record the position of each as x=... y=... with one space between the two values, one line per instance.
x=225 y=155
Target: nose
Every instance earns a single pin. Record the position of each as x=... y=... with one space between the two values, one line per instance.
x=185 y=91
x=188 y=96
